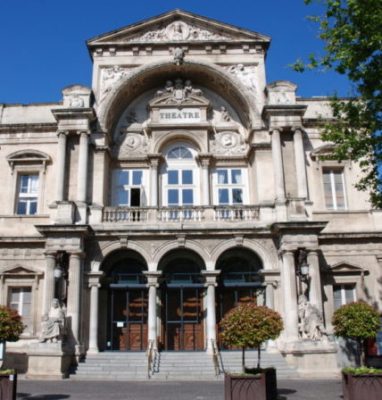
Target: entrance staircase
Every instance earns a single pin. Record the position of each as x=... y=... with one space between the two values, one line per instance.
x=173 y=366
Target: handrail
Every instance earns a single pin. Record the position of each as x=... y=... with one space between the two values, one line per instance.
x=216 y=358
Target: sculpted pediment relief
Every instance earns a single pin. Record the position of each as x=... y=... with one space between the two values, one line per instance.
x=179 y=93
x=177 y=26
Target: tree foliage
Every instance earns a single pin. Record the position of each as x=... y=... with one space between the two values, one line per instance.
x=249 y=325
x=358 y=321
x=352 y=34
x=11 y=326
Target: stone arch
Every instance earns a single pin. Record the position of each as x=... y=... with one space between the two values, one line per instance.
x=175 y=245
x=114 y=246
x=267 y=260
x=146 y=77
x=181 y=136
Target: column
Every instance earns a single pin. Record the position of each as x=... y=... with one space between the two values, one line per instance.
x=205 y=186
x=82 y=167
x=315 y=289
x=152 y=281
x=211 y=308
x=277 y=159
x=74 y=293
x=299 y=156
x=289 y=291
x=60 y=166
x=154 y=163
x=94 y=285
x=270 y=295
x=48 y=281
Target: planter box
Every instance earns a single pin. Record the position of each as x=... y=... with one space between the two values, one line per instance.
x=8 y=386
x=362 y=387
x=261 y=386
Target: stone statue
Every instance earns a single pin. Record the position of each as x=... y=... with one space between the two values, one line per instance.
x=224 y=114
x=310 y=325
x=178 y=56
x=52 y=325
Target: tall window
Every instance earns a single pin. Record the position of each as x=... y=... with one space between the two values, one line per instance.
x=180 y=178
x=128 y=188
x=343 y=294
x=229 y=186
x=334 y=185
x=20 y=299
x=27 y=198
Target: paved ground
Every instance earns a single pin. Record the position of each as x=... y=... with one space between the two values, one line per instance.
x=59 y=390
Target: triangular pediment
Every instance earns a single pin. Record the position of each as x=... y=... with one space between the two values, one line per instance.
x=177 y=26
x=19 y=270
x=344 y=267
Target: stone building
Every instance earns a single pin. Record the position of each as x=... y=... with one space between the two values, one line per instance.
x=180 y=184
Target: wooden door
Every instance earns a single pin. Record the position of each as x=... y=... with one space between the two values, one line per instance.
x=129 y=322
x=183 y=322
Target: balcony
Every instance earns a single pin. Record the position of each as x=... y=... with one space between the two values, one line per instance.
x=179 y=214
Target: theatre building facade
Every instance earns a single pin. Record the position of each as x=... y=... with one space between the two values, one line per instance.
x=179 y=185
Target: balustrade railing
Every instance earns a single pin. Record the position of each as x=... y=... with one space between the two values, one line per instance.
x=180 y=214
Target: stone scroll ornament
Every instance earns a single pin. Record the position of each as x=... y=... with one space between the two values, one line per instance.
x=178 y=31
x=246 y=74
x=110 y=77
x=228 y=143
x=178 y=92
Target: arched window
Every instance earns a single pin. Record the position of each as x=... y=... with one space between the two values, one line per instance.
x=180 y=179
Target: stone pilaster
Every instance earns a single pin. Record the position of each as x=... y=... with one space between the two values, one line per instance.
x=74 y=293
x=94 y=285
x=152 y=282
x=277 y=159
x=82 y=167
x=210 y=277
x=205 y=162
x=154 y=164
x=289 y=295
x=50 y=258
x=61 y=165
x=299 y=154
x=315 y=288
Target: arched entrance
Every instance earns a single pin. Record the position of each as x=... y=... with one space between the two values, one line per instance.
x=240 y=280
x=182 y=302
x=127 y=302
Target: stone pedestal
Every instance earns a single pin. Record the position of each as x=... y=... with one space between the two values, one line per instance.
x=313 y=358
x=48 y=361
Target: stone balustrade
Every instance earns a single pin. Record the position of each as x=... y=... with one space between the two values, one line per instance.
x=179 y=214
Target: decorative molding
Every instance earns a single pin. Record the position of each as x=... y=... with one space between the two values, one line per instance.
x=177 y=31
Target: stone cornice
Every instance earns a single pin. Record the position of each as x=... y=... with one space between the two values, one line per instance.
x=28 y=127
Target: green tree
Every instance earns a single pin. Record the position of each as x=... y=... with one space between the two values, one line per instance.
x=11 y=326
x=248 y=326
x=352 y=35
x=358 y=321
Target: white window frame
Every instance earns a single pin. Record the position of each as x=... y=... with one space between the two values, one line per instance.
x=187 y=164
x=330 y=171
x=343 y=286
x=20 y=305
x=230 y=186
x=116 y=187
x=28 y=197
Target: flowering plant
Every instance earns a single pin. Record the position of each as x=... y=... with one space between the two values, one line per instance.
x=248 y=326
x=11 y=326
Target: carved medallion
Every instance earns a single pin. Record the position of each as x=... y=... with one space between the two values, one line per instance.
x=228 y=143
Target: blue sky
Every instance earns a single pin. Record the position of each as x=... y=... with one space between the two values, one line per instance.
x=43 y=41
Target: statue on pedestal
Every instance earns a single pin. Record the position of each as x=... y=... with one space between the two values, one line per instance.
x=53 y=324
x=310 y=325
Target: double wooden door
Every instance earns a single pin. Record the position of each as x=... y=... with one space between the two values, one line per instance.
x=182 y=319
x=128 y=324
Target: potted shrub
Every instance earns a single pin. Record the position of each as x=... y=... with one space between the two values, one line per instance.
x=11 y=327
x=359 y=321
x=248 y=326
